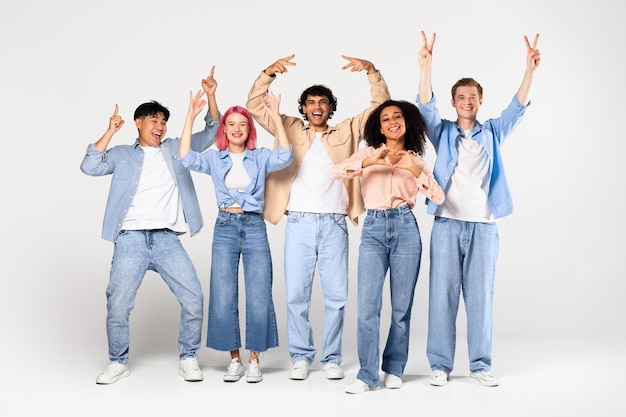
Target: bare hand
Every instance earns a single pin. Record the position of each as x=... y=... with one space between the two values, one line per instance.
x=281 y=65
x=209 y=85
x=379 y=158
x=115 y=121
x=195 y=103
x=272 y=102
x=357 y=64
x=533 y=57
x=425 y=55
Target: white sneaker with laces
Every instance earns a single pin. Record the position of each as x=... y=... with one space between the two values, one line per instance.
x=357 y=387
x=234 y=372
x=333 y=371
x=393 y=381
x=485 y=378
x=254 y=372
x=113 y=372
x=300 y=370
x=189 y=369
x=439 y=378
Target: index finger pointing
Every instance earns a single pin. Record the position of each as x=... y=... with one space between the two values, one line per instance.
x=116 y=110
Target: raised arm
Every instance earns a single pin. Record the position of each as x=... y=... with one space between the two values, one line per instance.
x=209 y=85
x=357 y=64
x=425 y=59
x=115 y=124
x=258 y=92
x=272 y=103
x=533 y=58
x=195 y=107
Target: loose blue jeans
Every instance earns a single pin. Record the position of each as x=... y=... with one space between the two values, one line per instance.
x=316 y=239
x=135 y=252
x=390 y=241
x=235 y=236
x=462 y=259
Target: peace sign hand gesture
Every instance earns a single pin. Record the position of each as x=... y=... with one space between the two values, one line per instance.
x=425 y=54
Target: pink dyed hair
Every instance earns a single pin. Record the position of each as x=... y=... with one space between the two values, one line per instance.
x=221 y=141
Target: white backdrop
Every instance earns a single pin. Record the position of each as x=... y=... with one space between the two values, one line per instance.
x=65 y=65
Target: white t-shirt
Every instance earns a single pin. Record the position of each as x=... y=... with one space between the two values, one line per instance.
x=313 y=190
x=466 y=196
x=237 y=177
x=156 y=205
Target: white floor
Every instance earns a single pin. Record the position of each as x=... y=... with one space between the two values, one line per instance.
x=540 y=378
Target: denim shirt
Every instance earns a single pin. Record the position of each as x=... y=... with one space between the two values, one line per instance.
x=444 y=134
x=125 y=163
x=258 y=163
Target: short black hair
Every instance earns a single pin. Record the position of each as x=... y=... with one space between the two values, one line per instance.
x=321 y=91
x=151 y=108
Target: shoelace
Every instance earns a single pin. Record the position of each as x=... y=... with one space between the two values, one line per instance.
x=232 y=367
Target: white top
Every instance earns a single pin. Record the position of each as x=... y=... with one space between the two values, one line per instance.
x=466 y=195
x=237 y=177
x=313 y=190
x=156 y=205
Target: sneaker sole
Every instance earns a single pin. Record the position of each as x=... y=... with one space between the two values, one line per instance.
x=436 y=383
x=254 y=379
x=231 y=378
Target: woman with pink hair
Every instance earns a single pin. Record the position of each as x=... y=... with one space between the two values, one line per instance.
x=238 y=169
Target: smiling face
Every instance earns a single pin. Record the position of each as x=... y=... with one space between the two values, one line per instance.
x=467 y=101
x=317 y=110
x=237 y=129
x=393 y=126
x=151 y=129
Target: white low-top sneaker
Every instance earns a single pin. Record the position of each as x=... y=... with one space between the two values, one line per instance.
x=300 y=370
x=189 y=369
x=234 y=372
x=113 y=372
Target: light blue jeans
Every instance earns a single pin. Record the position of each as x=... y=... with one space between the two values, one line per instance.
x=135 y=252
x=390 y=241
x=310 y=239
x=462 y=259
x=235 y=236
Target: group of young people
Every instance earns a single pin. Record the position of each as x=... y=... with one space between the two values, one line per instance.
x=316 y=175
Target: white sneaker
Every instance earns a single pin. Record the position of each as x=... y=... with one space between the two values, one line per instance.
x=485 y=378
x=234 y=372
x=113 y=372
x=357 y=387
x=300 y=370
x=332 y=371
x=190 y=370
x=393 y=381
x=254 y=372
x=439 y=378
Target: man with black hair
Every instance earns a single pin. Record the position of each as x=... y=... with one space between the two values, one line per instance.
x=316 y=206
x=152 y=200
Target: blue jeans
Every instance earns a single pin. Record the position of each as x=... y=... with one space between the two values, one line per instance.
x=462 y=259
x=310 y=239
x=135 y=252
x=235 y=236
x=390 y=241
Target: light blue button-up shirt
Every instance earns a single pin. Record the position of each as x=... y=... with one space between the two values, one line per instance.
x=444 y=134
x=125 y=163
x=257 y=162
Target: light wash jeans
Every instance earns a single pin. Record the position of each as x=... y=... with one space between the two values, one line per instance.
x=462 y=259
x=241 y=235
x=310 y=239
x=135 y=252
x=390 y=241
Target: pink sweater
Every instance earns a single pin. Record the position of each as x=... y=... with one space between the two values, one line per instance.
x=386 y=187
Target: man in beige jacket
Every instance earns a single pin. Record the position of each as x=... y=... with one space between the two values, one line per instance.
x=316 y=233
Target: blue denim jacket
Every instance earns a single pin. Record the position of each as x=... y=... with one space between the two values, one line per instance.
x=125 y=162
x=257 y=162
x=443 y=134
